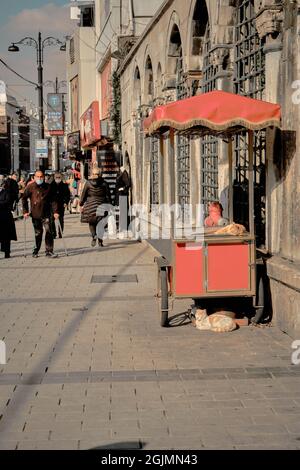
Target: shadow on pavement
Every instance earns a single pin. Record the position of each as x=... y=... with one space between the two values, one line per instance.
x=82 y=251
x=122 y=446
x=181 y=319
x=21 y=395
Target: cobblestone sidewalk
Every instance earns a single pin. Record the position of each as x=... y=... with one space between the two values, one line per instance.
x=88 y=365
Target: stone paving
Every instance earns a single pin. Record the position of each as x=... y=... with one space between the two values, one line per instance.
x=88 y=365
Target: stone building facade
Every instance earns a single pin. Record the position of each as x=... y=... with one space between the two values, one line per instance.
x=249 y=47
x=104 y=31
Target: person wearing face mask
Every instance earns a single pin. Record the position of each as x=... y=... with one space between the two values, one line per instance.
x=42 y=205
x=7 y=223
x=95 y=193
x=60 y=193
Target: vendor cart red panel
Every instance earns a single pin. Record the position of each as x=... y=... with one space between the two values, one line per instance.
x=228 y=267
x=219 y=266
x=189 y=269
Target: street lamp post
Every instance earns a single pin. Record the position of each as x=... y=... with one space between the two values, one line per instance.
x=40 y=86
x=39 y=46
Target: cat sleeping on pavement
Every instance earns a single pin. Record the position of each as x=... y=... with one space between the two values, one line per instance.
x=216 y=322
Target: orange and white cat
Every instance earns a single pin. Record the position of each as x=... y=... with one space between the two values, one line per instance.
x=216 y=322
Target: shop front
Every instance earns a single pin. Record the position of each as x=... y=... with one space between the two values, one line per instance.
x=90 y=133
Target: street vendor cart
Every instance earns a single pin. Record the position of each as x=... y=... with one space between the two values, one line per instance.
x=220 y=266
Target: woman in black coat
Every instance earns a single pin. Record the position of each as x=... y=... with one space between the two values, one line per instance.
x=123 y=185
x=7 y=223
x=95 y=193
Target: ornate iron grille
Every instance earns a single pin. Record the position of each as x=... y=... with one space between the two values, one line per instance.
x=249 y=81
x=183 y=142
x=154 y=193
x=209 y=147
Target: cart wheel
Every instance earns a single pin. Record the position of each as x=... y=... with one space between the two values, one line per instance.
x=164 y=320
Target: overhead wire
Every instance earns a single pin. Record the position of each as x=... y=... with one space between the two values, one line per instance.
x=16 y=73
x=31 y=83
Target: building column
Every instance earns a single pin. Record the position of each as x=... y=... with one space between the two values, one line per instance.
x=283 y=226
x=269 y=26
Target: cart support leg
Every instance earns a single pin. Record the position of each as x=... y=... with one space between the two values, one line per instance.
x=164 y=298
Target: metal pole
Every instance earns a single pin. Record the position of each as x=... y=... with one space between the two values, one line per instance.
x=40 y=93
x=40 y=87
x=57 y=153
x=161 y=170
x=171 y=169
x=230 y=183
x=251 y=183
x=56 y=137
x=25 y=237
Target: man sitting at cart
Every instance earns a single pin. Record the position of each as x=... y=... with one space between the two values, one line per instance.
x=215 y=218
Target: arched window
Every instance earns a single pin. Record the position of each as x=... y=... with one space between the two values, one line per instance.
x=159 y=86
x=174 y=50
x=199 y=26
x=249 y=80
x=149 y=83
x=137 y=91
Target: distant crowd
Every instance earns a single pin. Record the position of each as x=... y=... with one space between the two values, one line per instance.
x=45 y=198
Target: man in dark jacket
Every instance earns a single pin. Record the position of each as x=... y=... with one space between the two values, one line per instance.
x=60 y=193
x=7 y=223
x=95 y=193
x=42 y=206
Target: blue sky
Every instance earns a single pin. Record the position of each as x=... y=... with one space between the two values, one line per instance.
x=13 y=7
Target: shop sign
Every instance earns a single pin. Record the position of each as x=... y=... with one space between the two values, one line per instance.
x=41 y=148
x=90 y=125
x=55 y=114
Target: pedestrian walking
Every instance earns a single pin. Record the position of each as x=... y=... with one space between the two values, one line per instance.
x=7 y=223
x=123 y=186
x=61 y=195
x=74 y=201
x=13 y=188
x=95 y=193
x=42 y=206
x=22 y=186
